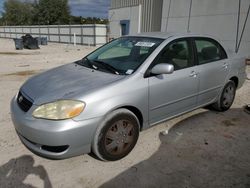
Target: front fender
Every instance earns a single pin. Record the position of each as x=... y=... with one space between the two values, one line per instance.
x=128 y=93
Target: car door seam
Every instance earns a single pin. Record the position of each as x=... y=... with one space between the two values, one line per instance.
x=172 y=102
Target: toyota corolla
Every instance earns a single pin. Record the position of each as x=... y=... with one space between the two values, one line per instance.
x=100 y=103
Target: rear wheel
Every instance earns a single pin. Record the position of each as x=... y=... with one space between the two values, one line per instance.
x=226 y=98
x=117 y=136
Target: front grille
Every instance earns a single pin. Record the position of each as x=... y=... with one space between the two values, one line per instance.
x=23 y=102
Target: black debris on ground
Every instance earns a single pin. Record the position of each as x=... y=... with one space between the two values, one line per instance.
x=247 y=108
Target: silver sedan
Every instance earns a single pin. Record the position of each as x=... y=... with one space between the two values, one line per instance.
x=100 y=103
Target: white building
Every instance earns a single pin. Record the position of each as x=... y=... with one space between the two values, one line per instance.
x=228 y=20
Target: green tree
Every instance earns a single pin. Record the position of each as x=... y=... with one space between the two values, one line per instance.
x=53 y=12
x=1 y=21
x=18 y=13
x=44 y=12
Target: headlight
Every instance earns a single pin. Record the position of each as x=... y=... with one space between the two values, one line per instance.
x=59 y=110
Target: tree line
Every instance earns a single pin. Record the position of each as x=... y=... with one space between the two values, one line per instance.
x=42 y=12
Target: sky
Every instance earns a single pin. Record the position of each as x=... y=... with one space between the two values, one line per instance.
x=84 y=8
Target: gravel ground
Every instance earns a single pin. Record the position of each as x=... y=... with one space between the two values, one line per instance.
x=202 y=148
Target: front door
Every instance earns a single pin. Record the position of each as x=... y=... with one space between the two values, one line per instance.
x=172 y=94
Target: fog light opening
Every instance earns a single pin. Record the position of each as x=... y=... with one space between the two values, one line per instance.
x=55 y=149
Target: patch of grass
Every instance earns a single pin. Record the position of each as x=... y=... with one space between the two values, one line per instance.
x=10 y=53
x=22 y=73
x=228 y=123
x=17 y=53
x=235 y=119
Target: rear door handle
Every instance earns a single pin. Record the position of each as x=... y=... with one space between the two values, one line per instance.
x=193 y=74
x=225 y=65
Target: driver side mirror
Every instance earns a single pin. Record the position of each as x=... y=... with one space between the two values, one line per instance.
x=163 y=68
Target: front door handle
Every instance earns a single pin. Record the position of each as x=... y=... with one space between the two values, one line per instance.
x=193 y=74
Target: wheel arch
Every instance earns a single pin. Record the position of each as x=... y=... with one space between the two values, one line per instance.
x=135 y=111
x=235 y=79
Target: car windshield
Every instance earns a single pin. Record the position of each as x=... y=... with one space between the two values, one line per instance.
x=123 y=55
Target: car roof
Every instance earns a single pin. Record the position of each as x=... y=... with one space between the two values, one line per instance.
x=165 y=35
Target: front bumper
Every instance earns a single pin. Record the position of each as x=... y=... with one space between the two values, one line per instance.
x=53 y=139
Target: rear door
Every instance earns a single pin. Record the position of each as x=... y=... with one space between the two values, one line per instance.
x=212 y=69
x=171 y=94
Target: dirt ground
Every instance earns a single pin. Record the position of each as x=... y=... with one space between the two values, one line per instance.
x=202 y=149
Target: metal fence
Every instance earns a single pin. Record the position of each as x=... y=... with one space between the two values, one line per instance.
x=89 y=34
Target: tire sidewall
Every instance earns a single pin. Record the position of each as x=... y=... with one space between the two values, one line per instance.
x=222 y=106
x=98 y=146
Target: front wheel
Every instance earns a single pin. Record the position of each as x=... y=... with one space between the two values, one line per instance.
x=226 y=98
x=117 y=135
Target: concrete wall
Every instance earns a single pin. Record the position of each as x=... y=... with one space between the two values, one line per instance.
x=144 y=15
x=126 y=13
x=91 y=34
x=114 y=4
x=157 y=15
x=213 y=17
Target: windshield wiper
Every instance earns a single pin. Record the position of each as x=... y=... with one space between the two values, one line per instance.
x=91 y=64
x=87 y=62
x=107 y=66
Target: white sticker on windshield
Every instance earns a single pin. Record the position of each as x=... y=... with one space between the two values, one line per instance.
x=145 y=44
x=129 y=71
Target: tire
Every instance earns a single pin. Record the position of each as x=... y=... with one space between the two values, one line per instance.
x=116 y=136
x=226 y=98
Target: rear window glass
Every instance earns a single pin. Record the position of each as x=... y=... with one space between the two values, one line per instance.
x=209 y=51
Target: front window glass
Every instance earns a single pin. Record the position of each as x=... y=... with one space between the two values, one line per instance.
x=178 y=54
x=123 y=55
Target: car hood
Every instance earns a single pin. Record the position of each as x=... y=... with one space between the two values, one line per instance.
x=65 y=82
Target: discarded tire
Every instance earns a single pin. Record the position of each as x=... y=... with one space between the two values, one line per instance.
x=18 y=44
x=247 y=108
